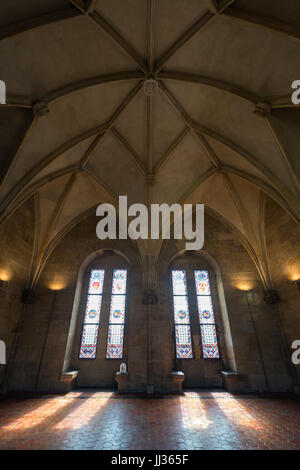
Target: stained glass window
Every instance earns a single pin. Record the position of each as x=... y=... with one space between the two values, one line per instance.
x=179 y=283
x=119 y=281
x=115 y=342
x=90 y=329
x=115 y=338
x=181 y=309
x=206 y=316
x=89 y=342
x=205 y=309
x=96 y=281
x=181 y=316
x=117 y=309
x=202 y=283
x=93 y=308
x=209 y=342
x=183 y=342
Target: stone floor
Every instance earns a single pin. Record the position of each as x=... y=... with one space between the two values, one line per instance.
x=105 y=420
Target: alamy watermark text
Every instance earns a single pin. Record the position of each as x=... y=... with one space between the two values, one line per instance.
x=2 y=92
x=2 y=352
x=161 y=218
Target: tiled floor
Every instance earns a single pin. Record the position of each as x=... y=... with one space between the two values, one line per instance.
x=104 y=420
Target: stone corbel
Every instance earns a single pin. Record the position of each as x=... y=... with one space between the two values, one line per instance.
x=149 y=297
x=263 y=109
x=40 y=108
x=28 y=296
x=271 y=297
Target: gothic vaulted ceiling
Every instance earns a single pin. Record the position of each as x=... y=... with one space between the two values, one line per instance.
x=78 y=128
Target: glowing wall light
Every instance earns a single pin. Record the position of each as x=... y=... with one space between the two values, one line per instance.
x=5 y=275
x=245 y=286
x=57 y=285
x=295 y=278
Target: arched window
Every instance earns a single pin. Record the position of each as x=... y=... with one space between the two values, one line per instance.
x=93 y=313
x=201 y=288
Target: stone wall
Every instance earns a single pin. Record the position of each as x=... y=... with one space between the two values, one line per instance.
x=44 y=346
x=16 y=244
x=283 y=245
x=260 y=361
x=47 y=345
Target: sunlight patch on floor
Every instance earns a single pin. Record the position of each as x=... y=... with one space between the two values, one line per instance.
x=38 y=415
x=194 y=412
x=83 y=414
x=237 y=413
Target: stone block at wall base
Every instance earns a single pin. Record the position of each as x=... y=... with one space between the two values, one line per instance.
x=172 y=385
x=297 y=389
x=150 y=389
x=233 y=382
x=68 y=379
x=177 y=380
x=122 y=380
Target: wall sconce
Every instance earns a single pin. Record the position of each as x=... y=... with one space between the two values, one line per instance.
x=244 y=286
x=296 y=282
x=271 y=296
x=295 y=279
x=2 y=287
x=56 y=286
x=4 y=279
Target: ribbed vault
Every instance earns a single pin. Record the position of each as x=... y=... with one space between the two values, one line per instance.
x=78 y=130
